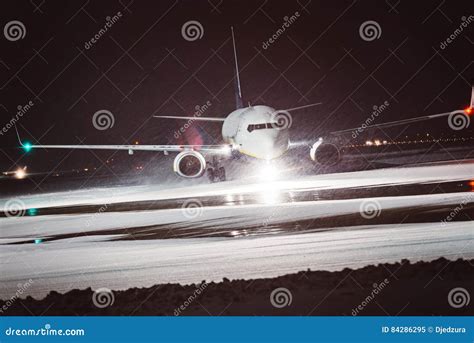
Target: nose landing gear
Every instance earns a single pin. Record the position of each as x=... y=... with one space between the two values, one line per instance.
x=215 y=172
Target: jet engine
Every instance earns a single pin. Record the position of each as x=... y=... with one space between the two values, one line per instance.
x=189 y=164
x=325 y=153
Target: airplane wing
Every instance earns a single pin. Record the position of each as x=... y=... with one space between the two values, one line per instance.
x=456 y=116
x=393 y=123
x=136 y=147
x=212 y=149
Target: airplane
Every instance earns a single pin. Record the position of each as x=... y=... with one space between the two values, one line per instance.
x=258 y=131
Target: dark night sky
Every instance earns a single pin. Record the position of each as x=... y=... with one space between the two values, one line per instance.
x=143 y=66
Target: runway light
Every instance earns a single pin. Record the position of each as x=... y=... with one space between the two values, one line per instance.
x=32 y=212
x=270 y=197
x=27 y=146
x=229 y=199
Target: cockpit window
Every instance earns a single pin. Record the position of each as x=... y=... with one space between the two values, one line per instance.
x=253 y=127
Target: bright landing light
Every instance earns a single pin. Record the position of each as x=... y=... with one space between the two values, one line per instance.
x=268 y=172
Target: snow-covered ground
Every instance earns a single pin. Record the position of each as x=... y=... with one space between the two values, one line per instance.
x=390 y=176
x=96 y=262
x=99 y=261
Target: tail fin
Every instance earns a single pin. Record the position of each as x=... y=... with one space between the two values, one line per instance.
x=238 y=90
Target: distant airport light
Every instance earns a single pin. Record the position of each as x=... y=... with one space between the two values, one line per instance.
x=27 y=146
x=20 y=173
x=369 y=143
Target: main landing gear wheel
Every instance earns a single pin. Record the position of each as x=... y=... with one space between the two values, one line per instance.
x=221 y=173
x=215 y=173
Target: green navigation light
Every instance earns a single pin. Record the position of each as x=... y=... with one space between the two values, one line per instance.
x=27 y=146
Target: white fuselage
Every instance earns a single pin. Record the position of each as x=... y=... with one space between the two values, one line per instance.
x=252 y=131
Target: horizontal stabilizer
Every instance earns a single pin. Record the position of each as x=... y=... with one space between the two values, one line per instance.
x=191 y=118
x=302 y=107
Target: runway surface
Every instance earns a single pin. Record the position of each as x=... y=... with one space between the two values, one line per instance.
x=137 y=236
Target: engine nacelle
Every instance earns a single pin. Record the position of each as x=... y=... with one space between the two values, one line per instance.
x=325 y=153
x=189 y=164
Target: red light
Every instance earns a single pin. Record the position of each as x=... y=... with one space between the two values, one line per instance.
x=468 y=110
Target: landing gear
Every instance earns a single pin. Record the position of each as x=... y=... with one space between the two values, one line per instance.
x=215 y=173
